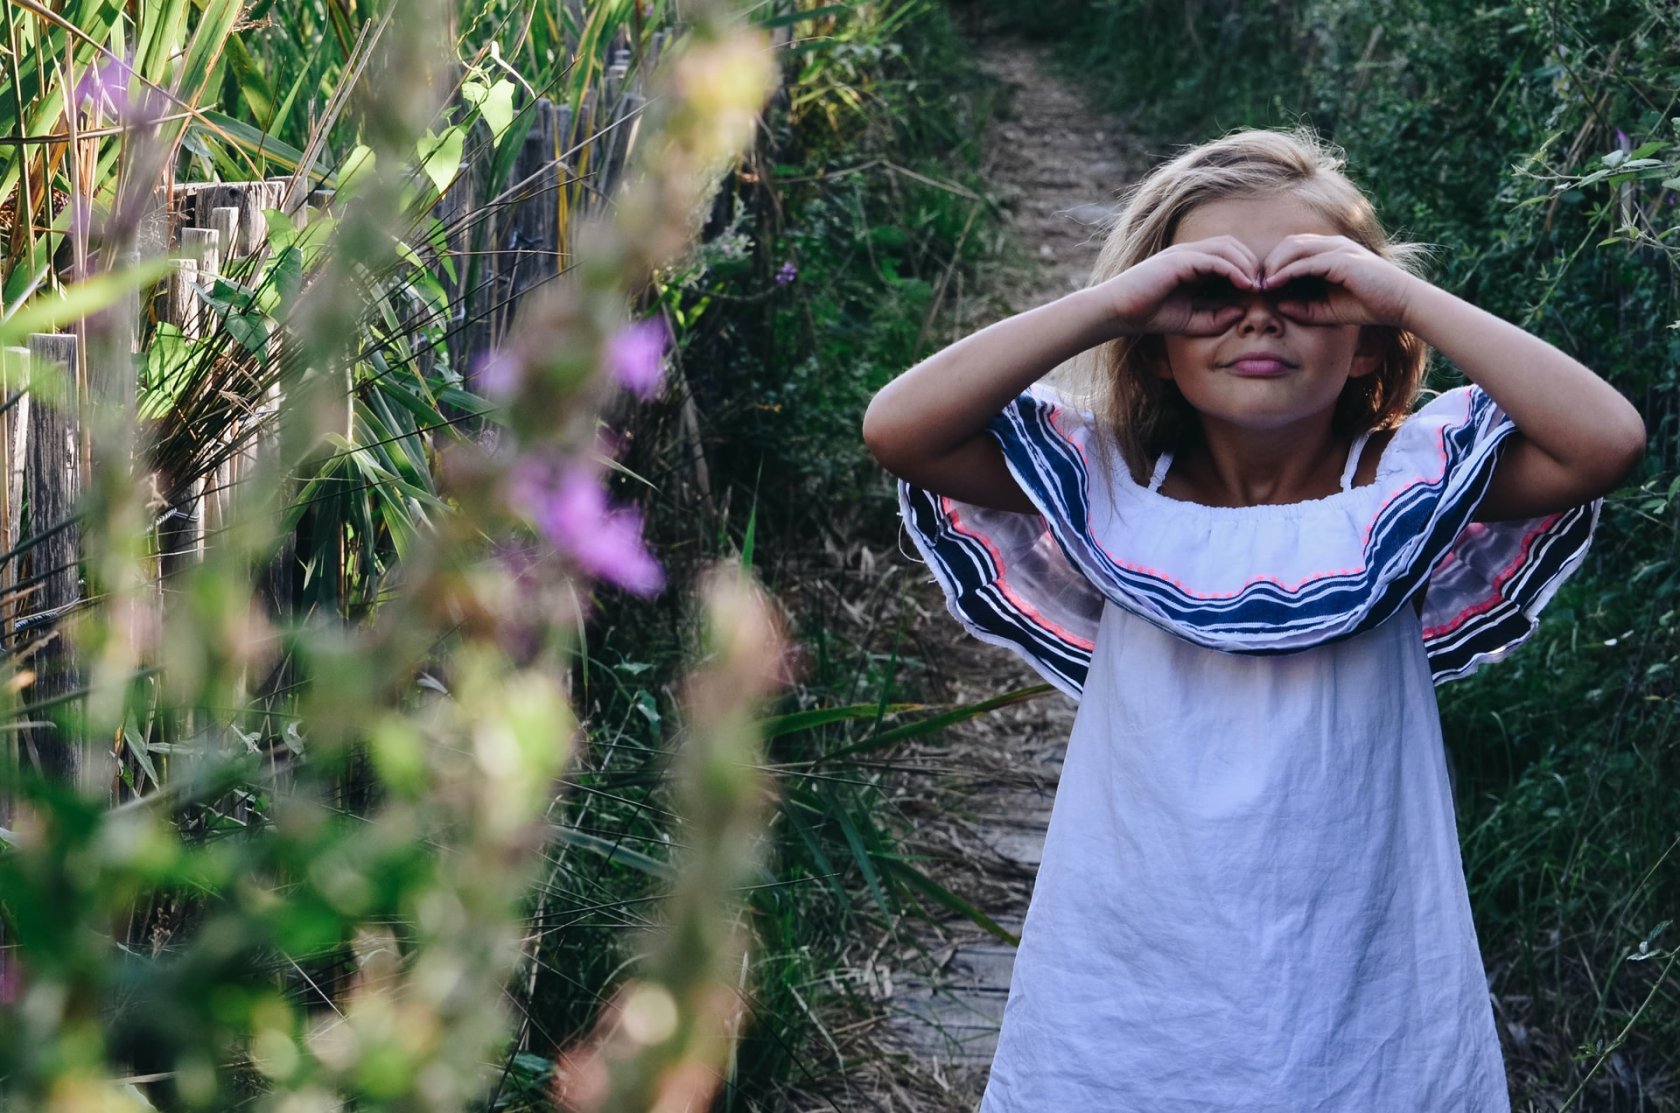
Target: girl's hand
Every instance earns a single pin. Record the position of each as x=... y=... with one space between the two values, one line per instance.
x=1167 y=292
x=1330 y=280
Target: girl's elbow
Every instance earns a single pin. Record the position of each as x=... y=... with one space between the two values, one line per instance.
x=1629 y=444
x=879 y=437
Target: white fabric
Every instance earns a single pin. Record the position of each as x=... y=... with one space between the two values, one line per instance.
x=1251 y=897
x=1352 y=464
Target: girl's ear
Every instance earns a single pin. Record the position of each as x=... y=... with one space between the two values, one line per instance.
x=1368 y=354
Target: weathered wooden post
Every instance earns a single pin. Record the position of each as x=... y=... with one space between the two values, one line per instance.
x=14 y=453
x=531 y=227
x=53 y=484
x=14 y=368
x=181 y=530
x=626 y=114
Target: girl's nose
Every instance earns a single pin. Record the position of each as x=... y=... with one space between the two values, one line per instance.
x=1260 y=313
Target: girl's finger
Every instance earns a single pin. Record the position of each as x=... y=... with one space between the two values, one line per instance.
x=1225 y=248
x=1238 y=252
x=1198 y=265
x=1315 y=266
x=1212 y=323
x=1292 y=249
x=1306 y=312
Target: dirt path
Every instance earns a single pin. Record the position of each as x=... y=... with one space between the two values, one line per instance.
x=981 y=797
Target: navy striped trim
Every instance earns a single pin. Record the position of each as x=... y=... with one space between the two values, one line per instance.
x=971 y=581
x=1412 y=533
x=1490 y=634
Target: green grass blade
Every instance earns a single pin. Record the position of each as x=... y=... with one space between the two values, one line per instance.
x=916 y=879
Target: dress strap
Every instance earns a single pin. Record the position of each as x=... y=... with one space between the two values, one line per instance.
x=1162 y=463
x=1354 y=454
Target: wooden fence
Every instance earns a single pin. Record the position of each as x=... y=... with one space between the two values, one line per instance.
x=519 y=239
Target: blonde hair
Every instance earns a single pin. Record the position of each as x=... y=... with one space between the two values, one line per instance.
x=1145 y=414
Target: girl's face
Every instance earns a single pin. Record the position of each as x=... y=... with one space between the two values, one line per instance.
x=1264 y=372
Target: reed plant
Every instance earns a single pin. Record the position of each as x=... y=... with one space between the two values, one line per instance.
x=306 y=949
x=336 y=807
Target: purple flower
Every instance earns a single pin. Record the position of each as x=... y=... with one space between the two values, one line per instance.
x=497 y=373
x=569 y=506
x=104 y=89
x=106 y=86
x=636 y=356
x=787 y=274
x=1623 y=141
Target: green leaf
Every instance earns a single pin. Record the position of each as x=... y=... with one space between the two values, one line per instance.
x=264 y=148
x=249 y=330
x=134 y=742
x=282 y=229
x=782 y=725
x=497 y=108
x=938 y=722
x=613 y=852
x=71 y=303
x=919 y=880
x=355 y=168
x=441 y=157
x=646 y=706
x=788 y=18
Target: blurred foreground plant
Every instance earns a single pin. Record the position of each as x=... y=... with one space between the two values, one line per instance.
x=333 y=875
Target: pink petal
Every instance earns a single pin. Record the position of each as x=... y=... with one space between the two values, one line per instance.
x=636 y=356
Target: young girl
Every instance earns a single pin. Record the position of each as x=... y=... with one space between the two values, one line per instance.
x=1247 y=562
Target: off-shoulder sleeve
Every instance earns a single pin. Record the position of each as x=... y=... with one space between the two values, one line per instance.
x=1005 y=576
x=1261 y=579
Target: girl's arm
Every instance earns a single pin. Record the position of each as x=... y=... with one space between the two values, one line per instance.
x=1576 y=438
x=928 y=426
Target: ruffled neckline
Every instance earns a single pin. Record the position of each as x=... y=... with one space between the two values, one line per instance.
x=1392 y=465
x=1301 y=508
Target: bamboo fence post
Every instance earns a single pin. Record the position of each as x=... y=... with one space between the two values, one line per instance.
x=180 y=532
x=625 y=103
x=53 y=484
x=210 y=490
x=585 y=156
x=181 y=306
x=565 y=172
x=204 y=247
x=469 y=238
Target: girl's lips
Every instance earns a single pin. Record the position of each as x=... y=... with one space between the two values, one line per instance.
x=1259 y=365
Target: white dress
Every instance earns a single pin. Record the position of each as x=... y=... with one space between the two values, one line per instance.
x=1251 y=895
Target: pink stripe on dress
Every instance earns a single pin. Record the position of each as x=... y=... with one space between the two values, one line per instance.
x=1499 y=579
x=1002 y=582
